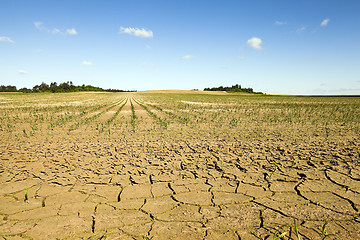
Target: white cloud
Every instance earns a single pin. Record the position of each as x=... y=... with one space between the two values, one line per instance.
x=38 y=25
x=301 y=29
x=325 y=22
x=6 y=39
x=22 y=72
x=279 y=23
x=137 y=32
x=41 y=27
x=86 y=63
x=71 y=31
x=55 y=31
x=241 y=57
x=187 y=57
x=255 y=43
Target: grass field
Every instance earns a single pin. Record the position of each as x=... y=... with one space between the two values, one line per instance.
x=179 y=165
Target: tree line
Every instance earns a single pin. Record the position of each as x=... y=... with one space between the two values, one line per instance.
x=58 y=88
x=233 y=89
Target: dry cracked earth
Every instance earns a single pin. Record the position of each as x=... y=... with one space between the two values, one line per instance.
x=134 y=167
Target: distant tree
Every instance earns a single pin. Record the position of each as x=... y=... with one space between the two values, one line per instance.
x=44 y=87
x=55 y=88
x=234 y=88
x=64 y=87
x=8 y=88
x=36 y=88
x=25 y=90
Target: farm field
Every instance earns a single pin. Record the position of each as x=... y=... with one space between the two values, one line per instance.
x=179 y=165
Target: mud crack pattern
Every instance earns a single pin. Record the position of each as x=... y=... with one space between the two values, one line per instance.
x=150 y=172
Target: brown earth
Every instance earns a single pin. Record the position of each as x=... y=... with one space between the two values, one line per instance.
x=178 y=170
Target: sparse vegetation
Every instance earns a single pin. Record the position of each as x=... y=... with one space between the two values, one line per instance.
x=133 y=116
x=223 y=161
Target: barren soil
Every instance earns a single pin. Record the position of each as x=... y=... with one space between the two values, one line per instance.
x=155 y=165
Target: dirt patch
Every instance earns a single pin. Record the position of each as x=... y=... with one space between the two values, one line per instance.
x=101 y=170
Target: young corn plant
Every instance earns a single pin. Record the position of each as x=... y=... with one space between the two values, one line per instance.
x=117 y=113
x=26 y=197
x=172 y=115
x=323 y=234
x=3 y=236
x=147 y=238
x=279 y=235
x=133 y=116
x=162 y=122
x=295 y=228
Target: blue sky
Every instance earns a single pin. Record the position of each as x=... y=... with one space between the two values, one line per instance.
x=273 y=46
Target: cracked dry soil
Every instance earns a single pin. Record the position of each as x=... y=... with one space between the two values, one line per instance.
x=86 y=177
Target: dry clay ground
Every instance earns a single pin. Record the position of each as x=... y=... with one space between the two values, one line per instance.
x=178 y=166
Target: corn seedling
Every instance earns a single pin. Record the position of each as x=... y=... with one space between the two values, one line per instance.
x=295 y=228
x=117 y=113
x=147 y=238
x=279 y=235
x=3 y=236
x=162 y=123
x=323 y=234
x=133 y=117
x=26 y=197
x=92 y=237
